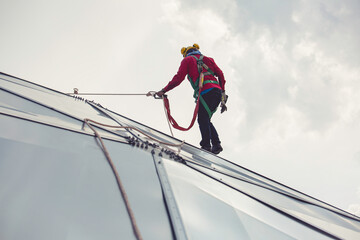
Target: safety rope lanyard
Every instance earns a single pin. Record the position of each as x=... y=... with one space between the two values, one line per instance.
x=152 y=93
x=172 y=120
x=167 y=115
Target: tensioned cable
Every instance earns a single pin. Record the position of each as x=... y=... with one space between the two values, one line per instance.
x=164 y=143
x=114 y=119
x=76 y=92
x=136 y=129
x=279 y=210
x=267 y=188
x=110 y=94
x=137 y=233
x=168 y=144
x=120 y=185
x=151 y=93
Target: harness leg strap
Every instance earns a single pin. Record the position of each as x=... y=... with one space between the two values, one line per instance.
x=207 y=107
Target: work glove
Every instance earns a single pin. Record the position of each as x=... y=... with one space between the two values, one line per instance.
x=224 y=99
x=160 y=93
x=154 y=94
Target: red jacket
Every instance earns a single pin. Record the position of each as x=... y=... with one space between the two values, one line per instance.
x=189 y=66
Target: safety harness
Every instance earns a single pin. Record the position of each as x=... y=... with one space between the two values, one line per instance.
x=199 y=83
x=197 y=90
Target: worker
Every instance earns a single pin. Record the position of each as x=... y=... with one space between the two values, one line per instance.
x=208 y=80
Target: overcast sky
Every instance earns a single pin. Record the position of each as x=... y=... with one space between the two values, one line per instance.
x=292 y=71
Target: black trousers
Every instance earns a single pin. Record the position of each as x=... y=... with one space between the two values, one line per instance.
x=207 y=129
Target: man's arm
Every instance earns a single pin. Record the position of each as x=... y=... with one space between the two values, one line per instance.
x=178 y=77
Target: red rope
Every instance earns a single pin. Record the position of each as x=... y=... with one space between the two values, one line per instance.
x=172 y=120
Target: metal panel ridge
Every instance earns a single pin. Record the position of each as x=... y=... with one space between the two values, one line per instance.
x=170 y=200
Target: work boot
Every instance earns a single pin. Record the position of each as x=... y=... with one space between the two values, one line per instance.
x=216 y=149
x=206 y=149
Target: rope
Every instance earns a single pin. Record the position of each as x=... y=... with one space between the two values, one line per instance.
x=151 y=93
x=121 y=187
x=113 y=94
x=76 y=92
x=136 y=129
x=172 y=120
x=167 y=117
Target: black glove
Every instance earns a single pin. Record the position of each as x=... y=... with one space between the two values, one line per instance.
x=224 y=99
x=160 y=93
x=157 y=95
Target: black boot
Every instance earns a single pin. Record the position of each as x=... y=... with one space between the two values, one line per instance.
x=206 y=149
x=216 y=149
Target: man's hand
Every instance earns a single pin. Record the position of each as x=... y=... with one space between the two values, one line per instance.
x=157 y=95
x=160 y=93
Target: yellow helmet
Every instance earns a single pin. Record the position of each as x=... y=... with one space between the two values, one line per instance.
x=185 y=50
